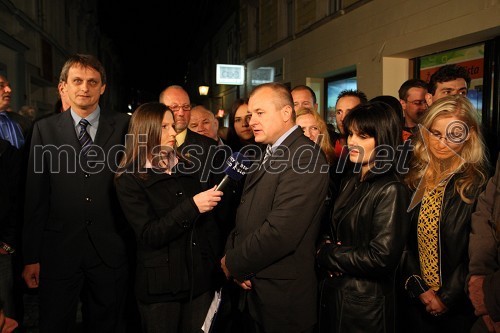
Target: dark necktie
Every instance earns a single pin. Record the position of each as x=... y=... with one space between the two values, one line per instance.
x=84 y=136
x=10 y=130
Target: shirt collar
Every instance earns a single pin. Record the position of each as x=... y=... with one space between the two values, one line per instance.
x=91 y=118
x=283 y=137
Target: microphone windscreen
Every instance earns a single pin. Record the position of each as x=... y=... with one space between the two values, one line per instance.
x=237 y=166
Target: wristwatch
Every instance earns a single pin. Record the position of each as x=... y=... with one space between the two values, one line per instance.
x=7 y=248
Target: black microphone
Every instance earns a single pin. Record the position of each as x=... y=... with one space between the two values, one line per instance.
x=237 y=166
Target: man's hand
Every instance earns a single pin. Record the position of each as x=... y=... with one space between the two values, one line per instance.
x=245 y=285
x=476 y=294
x=224 y=268
x=31 y=275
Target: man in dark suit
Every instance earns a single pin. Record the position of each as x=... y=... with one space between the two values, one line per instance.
x=74 y=236
x=271 y=251
x=14 y=137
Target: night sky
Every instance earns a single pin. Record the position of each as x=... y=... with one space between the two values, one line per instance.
x=155 y=40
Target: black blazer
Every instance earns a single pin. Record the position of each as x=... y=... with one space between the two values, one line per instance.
x=201 y=151
x=10 y=178
x=68 y=202
x=273 y=243
x=173 y=238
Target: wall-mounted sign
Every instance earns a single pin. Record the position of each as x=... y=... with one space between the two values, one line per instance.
x=230 y=74
x=262 y=75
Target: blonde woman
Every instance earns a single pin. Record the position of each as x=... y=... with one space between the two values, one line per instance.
x=447 y=172
x=314 y=128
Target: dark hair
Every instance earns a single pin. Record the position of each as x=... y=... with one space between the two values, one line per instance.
x=393 y=103
x=233 y=140
x=353 y=93
x=448 y=73
x=408 y=84
x=85 y=60
x=304 y=87
x=377 y=120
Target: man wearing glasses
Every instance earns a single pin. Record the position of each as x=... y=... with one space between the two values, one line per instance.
x=192 y=145
x=412 y=98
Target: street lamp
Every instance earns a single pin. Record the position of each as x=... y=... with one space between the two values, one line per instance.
x=203 y=90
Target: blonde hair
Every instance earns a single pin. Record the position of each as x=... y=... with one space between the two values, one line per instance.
x=325 y=144
x=472 y=172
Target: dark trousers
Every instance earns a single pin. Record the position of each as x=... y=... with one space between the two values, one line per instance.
x=177 y=316
x=416 y=320
x=250 y=325
x=102 y=290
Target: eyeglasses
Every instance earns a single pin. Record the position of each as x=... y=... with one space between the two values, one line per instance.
x=418 y=102
x=176 y=107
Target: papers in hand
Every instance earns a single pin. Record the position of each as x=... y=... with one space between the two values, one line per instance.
x=212 y=312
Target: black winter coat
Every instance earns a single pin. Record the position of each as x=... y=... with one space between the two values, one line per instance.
x=177 y=247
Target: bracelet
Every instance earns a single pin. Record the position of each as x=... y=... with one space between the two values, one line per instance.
x=7 y=248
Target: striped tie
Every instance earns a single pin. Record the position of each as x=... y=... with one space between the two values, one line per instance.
x=268 y=154
x=84 y=136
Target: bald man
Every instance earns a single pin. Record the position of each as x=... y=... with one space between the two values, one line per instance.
x=203 y=122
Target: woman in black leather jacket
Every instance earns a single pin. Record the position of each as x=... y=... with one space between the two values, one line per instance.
x=447 y=171
x=369 y=228
x=178 y=243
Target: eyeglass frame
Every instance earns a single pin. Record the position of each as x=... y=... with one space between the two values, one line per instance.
x=177 y=107
x=421 y=102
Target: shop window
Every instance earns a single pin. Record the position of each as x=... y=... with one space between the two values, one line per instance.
x=334 y=85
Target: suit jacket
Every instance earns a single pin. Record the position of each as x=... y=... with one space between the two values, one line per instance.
x=71 y=200
x=201 y=150
x=277 y=225
x=10 y=174
x=484 y=243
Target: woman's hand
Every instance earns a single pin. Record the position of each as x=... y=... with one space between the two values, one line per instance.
x=433 y=303
x=207 y=200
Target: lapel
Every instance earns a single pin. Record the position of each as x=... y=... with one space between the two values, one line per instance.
x=105 y=130
x=68 y=132
x=254 y=177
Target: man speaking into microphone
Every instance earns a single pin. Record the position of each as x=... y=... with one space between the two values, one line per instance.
x=270 y=253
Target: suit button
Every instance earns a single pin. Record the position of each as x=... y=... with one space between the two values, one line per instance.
x=87 y=175
x=178 y=194
x=88 y=199
x=185 y=224
x=88 y=222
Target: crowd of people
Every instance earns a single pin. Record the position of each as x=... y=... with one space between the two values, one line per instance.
x=389 y=222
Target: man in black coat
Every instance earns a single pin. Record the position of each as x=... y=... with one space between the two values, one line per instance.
x=74 y=236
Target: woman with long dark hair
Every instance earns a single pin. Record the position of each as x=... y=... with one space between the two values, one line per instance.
x=369 y=226
x=178 y=243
